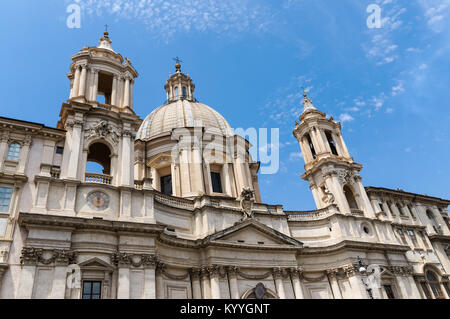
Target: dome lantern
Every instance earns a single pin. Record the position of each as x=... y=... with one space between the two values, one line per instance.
x=179 y=86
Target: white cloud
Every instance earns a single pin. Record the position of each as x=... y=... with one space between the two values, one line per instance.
x=295 y=156
x=345 y=117
x=436 y=12
x=166 y=18
x=397 y=89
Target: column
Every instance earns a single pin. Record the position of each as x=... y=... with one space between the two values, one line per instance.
x=83 y=81
x=195 y=282
x=3 y=148
x=415 y=289
x=317 y=142
x=30 y=257
x=314 y=190
x=25 y=290
x=232 y=280
x=126 y=95
x=126 y=156
x=206 y=283
x=76 y=82
x=75 y=147
x=95 y=85
x=59 y=282
x=441 y=222
x=149 y=281
x=332 y=273
x=306 y=150
x=368 y=210
x=345 y=149
x=23 y=156
x=295 y=275
x=278 y=277
x=131 y=93
x=160 y=281
x=123 y=290
x=215 y=285
x=197 y=179
x=114 y=91
x=358 y=289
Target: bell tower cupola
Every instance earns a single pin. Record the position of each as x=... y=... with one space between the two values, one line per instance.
x=332 y=174
x=179 y=86
x=101 y=77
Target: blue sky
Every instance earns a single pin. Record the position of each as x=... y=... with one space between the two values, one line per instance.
x=248 y=59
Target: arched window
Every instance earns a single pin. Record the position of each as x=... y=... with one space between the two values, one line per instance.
x=99 y=159
x=434 y=284
x=13 y=152
x=177 y=92
x=350 y=197
x=331 y=142
x=184 y=92
x=311 y=145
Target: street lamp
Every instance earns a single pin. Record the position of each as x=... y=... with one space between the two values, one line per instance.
x=363 y=271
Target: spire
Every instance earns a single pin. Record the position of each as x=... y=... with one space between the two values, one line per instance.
x=308 y=105
x=105 y=41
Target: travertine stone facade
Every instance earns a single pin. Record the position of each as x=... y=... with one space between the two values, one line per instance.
x=177 y=213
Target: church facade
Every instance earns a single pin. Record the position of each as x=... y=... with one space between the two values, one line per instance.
x=177 y=213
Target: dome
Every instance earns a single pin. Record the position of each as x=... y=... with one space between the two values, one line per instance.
x=183 y=113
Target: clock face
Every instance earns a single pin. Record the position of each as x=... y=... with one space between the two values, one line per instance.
x=98 y=200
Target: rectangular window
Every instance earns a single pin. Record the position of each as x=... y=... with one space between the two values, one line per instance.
x=389 y=291
x=59 y=149
x=425 y=242
x=13 y=152
x=5 y=198
x=412 y=235
x=216 y=182
x=380 y=203
x=166 y=184
x=92 y=289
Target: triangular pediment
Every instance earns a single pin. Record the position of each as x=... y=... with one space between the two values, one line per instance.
x=95 y=263
x=252 y=232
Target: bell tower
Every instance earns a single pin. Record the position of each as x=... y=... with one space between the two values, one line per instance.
x=99 y=76
x=332 y=174
x=100 y=122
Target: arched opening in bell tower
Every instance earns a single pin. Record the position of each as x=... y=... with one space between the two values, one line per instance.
x=99 y=159
x=350 y=197
x=331 y=143
x=105 y=84
x=311 y=145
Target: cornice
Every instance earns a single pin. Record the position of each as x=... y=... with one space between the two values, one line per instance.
x=348 y=244
x=402 y=194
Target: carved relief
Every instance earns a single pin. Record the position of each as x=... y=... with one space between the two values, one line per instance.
x=33 y=256
x=102 y=130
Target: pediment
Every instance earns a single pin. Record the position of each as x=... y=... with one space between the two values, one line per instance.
x=95 y=263
x=252 y=232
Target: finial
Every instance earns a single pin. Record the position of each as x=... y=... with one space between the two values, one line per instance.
x=177 y=65
x=106 y=31
x=308 y=105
